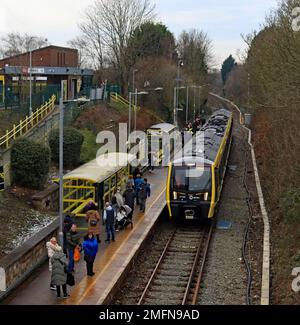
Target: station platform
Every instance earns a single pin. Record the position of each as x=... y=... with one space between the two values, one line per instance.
x=111 y=262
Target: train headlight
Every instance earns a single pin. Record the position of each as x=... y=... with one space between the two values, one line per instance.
x=205 y=196
x=175 y=195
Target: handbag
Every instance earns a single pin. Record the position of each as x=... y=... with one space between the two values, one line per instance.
x=77 y=255
x=70 y=279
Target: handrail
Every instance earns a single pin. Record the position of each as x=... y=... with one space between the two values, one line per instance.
x=119 y=99
x=27 y=124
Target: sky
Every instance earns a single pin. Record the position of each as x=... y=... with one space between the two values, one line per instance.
x=223 y=20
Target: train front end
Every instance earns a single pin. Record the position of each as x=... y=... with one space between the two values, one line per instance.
x=189 y=191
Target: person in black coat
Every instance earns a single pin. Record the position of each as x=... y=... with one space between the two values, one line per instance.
x=129 y=199
x=68 y=222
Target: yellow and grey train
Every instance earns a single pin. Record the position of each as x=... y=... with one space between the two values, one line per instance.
x=195 y=178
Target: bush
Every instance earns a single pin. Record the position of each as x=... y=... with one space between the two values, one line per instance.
x=30 y=163
x=290 y=206
x=90 y=147
x=73 y=141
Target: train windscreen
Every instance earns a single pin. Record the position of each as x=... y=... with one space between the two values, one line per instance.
x=192 y=179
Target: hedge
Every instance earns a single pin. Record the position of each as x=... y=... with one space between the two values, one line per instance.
x=30 y=162
x=73 y=141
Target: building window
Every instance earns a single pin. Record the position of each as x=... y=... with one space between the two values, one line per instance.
x=58 y=59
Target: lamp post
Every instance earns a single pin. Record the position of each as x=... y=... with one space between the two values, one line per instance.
x=176 y=91
x=30 y=82
x=176 y=103
x=61 y=162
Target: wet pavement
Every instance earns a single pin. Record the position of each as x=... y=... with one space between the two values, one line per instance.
x=109 y=263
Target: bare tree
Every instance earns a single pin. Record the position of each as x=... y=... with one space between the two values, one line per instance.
x=195 y=49
x=16 y=43
x=106 y=29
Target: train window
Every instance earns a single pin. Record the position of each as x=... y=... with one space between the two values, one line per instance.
x=192 y=179
x=106 y=186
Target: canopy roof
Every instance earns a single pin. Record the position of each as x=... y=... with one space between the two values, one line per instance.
x=100 y=169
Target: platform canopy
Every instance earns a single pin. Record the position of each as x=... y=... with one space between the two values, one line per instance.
x=98 y=170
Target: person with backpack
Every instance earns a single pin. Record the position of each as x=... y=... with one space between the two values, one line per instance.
x=93 y=220
x=144 y=193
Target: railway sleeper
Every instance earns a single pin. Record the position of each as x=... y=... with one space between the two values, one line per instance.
x=178 y=249
x=182 y=261
x=179 y=268
x=176 y=255
x=167 y=289
x=164 y=295
x=157 y=302
x=172 y=282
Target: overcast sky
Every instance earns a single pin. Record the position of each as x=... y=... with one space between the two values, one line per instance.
x=223 y=20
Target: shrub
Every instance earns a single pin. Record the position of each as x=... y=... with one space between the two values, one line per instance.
x=30 y=163
x=290 y=206
x=73 y=141
x=90 y=147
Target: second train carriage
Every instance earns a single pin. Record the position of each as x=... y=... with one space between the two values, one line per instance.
x=195 y=179
x=156 y=145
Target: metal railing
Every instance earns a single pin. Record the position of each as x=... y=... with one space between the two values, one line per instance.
x=116 y=98
x=27 y=124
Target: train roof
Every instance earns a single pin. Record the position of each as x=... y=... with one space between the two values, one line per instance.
x=165 y=127
x=208 y=140
x=100 y=169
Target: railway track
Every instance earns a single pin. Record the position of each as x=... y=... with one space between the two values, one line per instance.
x=176 y=279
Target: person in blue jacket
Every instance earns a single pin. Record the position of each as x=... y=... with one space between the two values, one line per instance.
x=90 y=248
x=137 y=187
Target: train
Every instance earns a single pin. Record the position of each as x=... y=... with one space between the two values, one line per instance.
x=196 y=175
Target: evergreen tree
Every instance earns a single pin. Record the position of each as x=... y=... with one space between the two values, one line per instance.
x=227 y=67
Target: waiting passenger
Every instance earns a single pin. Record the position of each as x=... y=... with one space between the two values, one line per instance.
x=137 y=187
x=144 y=193
x=129 y=199
x=59 y=274
x=68 y=222
x=52 y=247
x=109 y=219
x=119 y=198
x=90 y=248
x=130 y=181
x=93 y=220
x=73 y=241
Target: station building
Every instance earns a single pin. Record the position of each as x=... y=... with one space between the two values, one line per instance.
x=51 y=65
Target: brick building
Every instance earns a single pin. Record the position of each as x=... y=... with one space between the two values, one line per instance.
x=50 y=66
